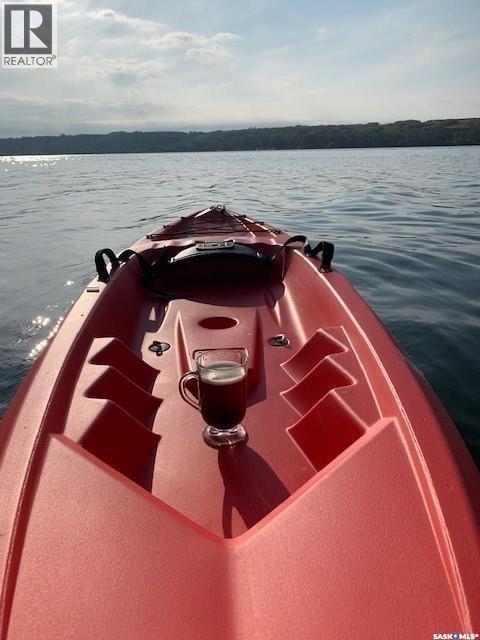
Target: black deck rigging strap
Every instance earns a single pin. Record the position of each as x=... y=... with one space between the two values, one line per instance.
x=323 y=247
x=302 y=239
x=148 y=269
x=151 y=271
x=326 y=249
x=291 y=240
x=101 y=265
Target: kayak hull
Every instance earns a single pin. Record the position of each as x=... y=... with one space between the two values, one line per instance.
x=351 y=509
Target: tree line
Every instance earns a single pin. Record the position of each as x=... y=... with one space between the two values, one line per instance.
x=404 y=133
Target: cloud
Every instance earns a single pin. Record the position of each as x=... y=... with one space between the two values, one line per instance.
x=225 y=37
x=194 y=45
x=127 y=72
x=109 y=16
x=122 y=52
x=157 y=36
x=209 y=53
x=177 y=40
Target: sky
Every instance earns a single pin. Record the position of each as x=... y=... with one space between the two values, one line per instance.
x=211 y=64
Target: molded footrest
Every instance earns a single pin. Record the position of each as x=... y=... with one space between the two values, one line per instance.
x=113 y=352
x=320 y=345
x=326 y=430
x=327 y=375
x=113 y=385
x=119 y=440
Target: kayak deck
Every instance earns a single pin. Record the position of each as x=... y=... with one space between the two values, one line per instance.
x=306 y=402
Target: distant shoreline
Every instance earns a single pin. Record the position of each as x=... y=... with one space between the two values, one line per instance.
x=404 y=133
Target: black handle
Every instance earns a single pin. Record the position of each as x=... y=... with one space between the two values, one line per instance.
x=101 y=265
x=326 y=249
x=291 y=240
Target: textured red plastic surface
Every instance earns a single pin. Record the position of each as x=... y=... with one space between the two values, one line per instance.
x=351 y=512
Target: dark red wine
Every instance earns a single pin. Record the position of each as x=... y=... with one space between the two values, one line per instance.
x=223 y=391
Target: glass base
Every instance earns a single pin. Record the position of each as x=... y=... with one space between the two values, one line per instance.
x=224 y=437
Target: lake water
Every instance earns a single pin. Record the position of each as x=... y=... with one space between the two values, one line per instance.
x=405 y=223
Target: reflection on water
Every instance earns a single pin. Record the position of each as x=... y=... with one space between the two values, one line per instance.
x=405 y=223
x=40 y=346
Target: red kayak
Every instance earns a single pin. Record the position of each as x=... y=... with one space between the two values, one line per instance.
x=302 y=482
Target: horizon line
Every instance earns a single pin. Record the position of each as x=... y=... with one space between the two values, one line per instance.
x=233 y=128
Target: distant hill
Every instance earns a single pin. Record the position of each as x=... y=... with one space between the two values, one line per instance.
x=404 y=133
